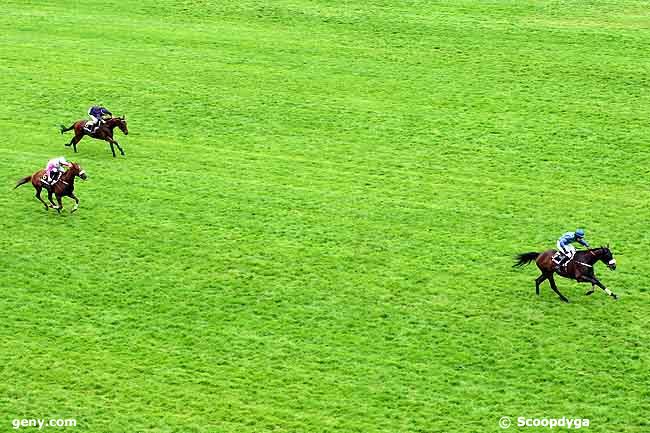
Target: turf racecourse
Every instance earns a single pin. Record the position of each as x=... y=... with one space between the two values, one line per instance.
x=313 y=227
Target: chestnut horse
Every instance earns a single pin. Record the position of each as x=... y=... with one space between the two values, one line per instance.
x=580 y=268
x=104 y=132
x=63 y=187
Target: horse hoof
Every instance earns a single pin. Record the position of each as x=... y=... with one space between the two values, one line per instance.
x=615 y=297
x=565 y=300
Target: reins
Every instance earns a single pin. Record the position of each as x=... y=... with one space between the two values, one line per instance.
x=593 y=254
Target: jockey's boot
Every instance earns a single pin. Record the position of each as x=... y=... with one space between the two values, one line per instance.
x=565 y=263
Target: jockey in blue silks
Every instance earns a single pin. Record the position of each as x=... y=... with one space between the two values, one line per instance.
x=564 y=245
x=97 y=114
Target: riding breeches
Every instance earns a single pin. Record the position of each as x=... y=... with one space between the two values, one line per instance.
x=568 y=250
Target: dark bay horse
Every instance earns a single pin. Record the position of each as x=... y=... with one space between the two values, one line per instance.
x=580 y=268
x=104 y=132
x=63 y=187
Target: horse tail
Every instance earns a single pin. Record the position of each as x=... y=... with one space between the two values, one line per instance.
x=23 y=181
x=64 y=129
x=524 y=259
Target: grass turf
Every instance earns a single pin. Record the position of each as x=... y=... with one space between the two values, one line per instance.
x=313 y=227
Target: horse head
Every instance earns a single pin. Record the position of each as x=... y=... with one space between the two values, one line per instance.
x=121 y=123
x=76 y=170
x=605 y=255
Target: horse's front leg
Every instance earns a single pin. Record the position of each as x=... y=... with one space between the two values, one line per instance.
x=594 y=281
x=49 y=197
x=119 y=148
x=58 y=199
x=111 y=142
x=76 y=204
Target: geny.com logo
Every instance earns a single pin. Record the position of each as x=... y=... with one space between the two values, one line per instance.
x=40 y=423
x=550 y=423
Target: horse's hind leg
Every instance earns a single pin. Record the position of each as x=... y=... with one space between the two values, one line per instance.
x=539 y=281
x=76 y=139
x=38 y=196
x=554 y=287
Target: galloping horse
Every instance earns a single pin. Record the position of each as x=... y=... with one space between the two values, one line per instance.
x=580 y=268
x=63 y=187
x=104 y=132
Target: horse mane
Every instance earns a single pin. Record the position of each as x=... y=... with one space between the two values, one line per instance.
x=598 y=248
x=69 y=171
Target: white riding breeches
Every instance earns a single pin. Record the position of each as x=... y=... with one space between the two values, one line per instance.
x=568 y=250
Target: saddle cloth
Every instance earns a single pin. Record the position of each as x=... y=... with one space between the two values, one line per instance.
x=52 y=182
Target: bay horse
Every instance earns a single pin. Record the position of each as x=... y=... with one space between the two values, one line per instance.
x=580 y=268
x=63 y=187
x=104 y=132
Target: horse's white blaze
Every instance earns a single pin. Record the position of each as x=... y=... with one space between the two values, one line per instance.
x=612 y=262
x=82 y=172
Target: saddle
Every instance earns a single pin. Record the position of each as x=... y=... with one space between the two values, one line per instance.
x=557 y=258
x=53 y=181
x=90 y=126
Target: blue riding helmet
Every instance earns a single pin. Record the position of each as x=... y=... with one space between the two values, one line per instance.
x=580 y=233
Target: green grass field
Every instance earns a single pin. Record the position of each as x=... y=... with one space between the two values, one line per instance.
x=314 y=224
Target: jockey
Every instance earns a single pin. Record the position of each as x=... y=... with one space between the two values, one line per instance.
x=564 y=245
x=54 y=169
x=97 y=115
